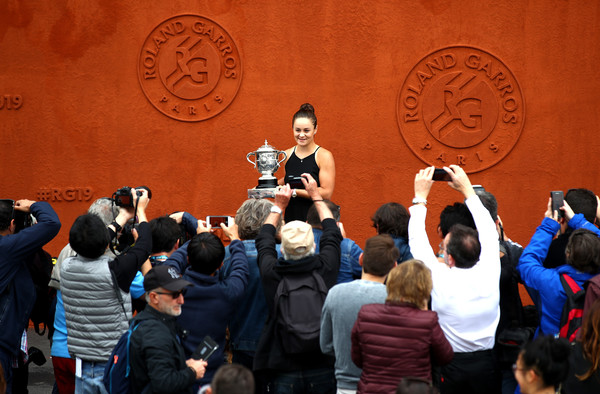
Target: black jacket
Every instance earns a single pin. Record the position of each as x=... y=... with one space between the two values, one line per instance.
x=269 y=353
x=156 y=355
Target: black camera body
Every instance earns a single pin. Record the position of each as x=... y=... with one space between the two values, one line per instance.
x=122 y=197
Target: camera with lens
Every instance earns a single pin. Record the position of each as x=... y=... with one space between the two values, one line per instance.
x=123 y=198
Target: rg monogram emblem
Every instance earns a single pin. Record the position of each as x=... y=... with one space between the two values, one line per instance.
x=461 y=105
x=190 y=68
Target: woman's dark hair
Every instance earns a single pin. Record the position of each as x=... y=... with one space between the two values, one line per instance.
x=391 y=218
x=548 y=357
x=589 y=336
x=306 y=111
x=583 y=251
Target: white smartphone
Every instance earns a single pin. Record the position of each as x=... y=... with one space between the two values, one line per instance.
x=215 y=221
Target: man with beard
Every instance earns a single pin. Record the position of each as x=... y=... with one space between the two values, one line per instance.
x=157 y=358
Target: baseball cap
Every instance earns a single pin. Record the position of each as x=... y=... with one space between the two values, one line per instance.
x=297 y=239
x=166 y=277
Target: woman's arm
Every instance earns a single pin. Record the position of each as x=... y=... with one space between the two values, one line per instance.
x=326 y=173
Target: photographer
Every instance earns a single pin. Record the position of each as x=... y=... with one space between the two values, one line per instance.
x=64 y=365
x=465 y=291
x=95 y=288
x=302 y=363
x=211 y=302
x=17 y=293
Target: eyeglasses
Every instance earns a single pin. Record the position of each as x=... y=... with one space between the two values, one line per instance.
x=515 y=368
x=175 y=294
x=441 y=246
x=12 y=209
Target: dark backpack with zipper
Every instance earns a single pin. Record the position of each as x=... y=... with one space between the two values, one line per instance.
x=299 y=300
x=572 y=312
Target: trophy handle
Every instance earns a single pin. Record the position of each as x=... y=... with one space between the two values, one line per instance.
x=284 y=157
x=248 y=158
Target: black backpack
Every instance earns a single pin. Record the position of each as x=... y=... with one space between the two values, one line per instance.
x=572 y=312
x=42 y=314
x=299 y=300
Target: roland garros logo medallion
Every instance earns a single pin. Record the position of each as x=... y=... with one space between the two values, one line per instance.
x=190 y=68
x=461 y=105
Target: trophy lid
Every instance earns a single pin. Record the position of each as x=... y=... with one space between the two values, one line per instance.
x=266 y=148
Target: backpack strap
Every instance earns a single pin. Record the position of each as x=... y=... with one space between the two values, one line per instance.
x=134 y=326
x=118 y=292
x=569 y=285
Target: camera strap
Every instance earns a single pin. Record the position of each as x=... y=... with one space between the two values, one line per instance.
x=114 y=241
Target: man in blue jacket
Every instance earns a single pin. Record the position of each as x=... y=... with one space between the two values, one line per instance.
x=350 y=267
x=392 y=218
x=17 y=293
x=582 y=253
x=211 y=302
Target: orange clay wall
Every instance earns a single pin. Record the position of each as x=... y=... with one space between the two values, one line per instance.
x=99 y=94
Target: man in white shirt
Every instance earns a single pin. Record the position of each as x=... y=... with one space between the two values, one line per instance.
x=465 y=287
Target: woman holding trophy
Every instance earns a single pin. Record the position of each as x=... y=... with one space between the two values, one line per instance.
x=306 y=157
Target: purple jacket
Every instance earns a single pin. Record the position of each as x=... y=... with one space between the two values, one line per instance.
x=394 y=340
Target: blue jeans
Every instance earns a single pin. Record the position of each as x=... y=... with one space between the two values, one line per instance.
x=308 y=381
x=90 y=381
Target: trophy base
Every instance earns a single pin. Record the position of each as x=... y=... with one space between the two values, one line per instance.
x=268 y=183
x=262 y=192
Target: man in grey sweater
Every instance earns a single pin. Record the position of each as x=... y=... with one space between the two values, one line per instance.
x=344 y=301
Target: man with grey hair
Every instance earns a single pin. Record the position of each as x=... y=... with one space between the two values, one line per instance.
x=157 y=357
x=294 y=360
x=249 y=318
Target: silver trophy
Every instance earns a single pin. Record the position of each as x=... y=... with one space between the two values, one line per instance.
x=266 y=161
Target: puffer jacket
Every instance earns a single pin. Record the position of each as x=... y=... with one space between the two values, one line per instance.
x=394 y=340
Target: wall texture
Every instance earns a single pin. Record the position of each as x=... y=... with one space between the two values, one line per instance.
x=99 y=94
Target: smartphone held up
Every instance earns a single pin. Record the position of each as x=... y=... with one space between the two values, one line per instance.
x=558 y=200
x=215 y=221
x=439 y=174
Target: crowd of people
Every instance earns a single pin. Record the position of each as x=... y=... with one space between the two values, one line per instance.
x=298 y=307
x=292 y=305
